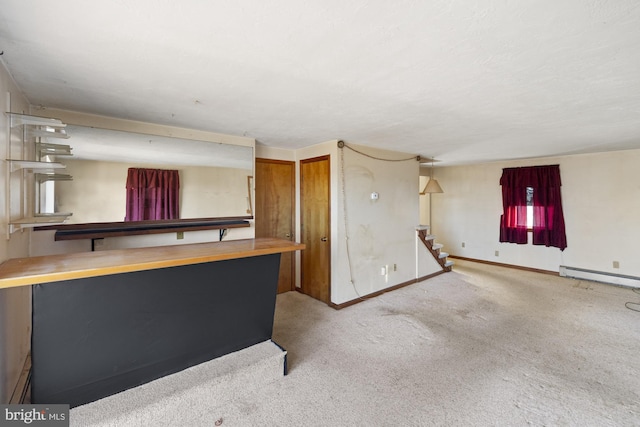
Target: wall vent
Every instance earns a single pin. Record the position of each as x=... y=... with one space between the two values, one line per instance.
x=600 y=276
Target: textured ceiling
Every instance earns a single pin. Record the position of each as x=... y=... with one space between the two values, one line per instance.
x=463 y=81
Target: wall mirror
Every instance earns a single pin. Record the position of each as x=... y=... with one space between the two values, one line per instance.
x=214 y=177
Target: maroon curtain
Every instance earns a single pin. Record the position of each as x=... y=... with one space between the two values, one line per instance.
x=152 y=194
x=548 y=219
x=513 y=222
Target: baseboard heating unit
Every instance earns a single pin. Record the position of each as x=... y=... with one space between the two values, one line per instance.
x=600 y=276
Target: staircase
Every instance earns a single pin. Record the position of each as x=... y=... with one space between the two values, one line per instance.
x=434 y=248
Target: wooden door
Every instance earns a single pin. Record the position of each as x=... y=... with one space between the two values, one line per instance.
x=275 y=211
x=315 y=227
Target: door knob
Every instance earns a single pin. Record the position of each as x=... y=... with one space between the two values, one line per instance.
x=324 y=239
x=287 y=235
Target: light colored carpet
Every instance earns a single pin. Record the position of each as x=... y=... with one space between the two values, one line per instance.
x=481 y=346
x=184 y=399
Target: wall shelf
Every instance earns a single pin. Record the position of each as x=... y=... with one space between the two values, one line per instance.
x=24 y=119
x=33 y=152
x=38 y=221
x=31 y=165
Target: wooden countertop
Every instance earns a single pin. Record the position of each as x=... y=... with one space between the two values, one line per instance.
x=53 y=268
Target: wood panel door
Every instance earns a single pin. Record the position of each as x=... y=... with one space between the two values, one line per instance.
x=275 y=211
x=315 y=227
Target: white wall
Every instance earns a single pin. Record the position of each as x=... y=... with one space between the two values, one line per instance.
x=601 y=203
x=15 y=303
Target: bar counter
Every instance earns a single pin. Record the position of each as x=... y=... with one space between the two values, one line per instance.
x=104 y=322
x=53 y=268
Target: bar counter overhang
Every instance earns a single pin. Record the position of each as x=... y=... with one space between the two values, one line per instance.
x=107 y=321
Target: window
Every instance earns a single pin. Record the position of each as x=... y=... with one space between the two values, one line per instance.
x=529 y=208
x=532 y=201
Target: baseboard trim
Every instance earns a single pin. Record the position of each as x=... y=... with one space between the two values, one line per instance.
x=383 y=291
x=499 y=264
x=429 y=276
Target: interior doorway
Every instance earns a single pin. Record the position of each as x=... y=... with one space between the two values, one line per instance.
x=315 y=222
x=275 y=211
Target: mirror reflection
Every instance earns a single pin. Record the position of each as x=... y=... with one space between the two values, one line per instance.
x=215 y=178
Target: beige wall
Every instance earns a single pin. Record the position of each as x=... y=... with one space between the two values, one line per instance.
x=380 y=232
x=601 y=203
x=262 y=151
x=15 y=303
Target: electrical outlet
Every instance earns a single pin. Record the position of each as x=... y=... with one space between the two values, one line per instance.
x=395 y=267
x=383 y=271
x=463 y=244
x=180 y=235
x=616 y=264
x=497 y=253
